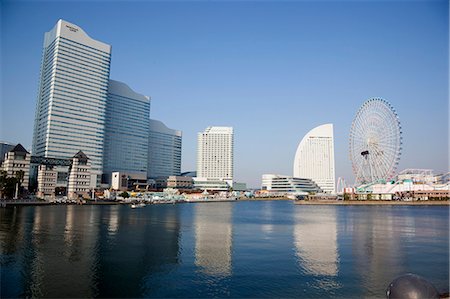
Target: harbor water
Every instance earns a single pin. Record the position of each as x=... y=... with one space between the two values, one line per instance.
x=261 y=249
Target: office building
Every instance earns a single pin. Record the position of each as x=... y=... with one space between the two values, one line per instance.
x=314 y=158
x=129 y=181
x=4 y=148
x=126 y=131
x=164 y=150
x=287 y=184
x=47 y=178
x=207 y=184
x=79 y=177
x=17 y=159
x=215 y=153
x=70 y=110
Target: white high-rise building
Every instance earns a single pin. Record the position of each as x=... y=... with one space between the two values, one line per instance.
x=70 y=110
x=314 y=158
x=215 y=153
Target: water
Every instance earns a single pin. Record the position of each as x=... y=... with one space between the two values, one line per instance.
x=234 y=249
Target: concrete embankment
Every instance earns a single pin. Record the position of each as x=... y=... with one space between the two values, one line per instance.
x=374 y=202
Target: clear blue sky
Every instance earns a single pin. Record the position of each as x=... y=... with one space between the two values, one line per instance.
x=272 y=70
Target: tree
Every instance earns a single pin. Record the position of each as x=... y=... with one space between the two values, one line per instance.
x=19 y=176
x=3 y=176
x=124 y=194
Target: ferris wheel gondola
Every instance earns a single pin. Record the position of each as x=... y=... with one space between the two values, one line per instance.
x=375 y=142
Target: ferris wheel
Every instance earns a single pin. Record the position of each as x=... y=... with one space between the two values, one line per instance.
x=375 y=142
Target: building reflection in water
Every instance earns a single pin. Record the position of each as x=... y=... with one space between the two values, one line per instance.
x=315 y=242
x=378 y=256
x=68 y=250
x=113 y=222
x=267 y=213
x=144 y=247
x=213 y=238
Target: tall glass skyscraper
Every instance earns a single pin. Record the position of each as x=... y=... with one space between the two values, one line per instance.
x=164 y=150
x=70 y=111
x=314 y=158
x=126 y=130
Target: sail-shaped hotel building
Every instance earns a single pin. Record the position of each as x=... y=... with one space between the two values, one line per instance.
x=314 y=158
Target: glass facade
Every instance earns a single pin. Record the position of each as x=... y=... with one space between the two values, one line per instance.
x=70 y=111
x=164 y=150
x=126 y=130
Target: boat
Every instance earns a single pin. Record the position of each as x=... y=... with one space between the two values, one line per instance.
x=137 y=205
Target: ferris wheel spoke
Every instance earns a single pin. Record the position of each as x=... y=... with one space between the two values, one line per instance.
x=375 y=141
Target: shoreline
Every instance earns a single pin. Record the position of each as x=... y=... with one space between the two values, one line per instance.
x=375 y=202
x=296 y=202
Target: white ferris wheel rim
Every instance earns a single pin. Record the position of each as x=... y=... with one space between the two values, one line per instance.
x=375 y=141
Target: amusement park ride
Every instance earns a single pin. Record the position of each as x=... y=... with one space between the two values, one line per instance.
x=375 y=143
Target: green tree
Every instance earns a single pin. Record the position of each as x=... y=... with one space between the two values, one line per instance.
x=19 y=176
x=124 y=194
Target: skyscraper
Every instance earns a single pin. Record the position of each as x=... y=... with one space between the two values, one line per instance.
x=215 y=153
x=70 y=110
x=164 y=150
x=126 y=130
x=314 y=158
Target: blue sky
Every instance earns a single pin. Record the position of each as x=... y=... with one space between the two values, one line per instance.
x=273 y=70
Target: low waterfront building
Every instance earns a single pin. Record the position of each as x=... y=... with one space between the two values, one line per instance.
x=47 y=178
x=424 y=176
x=287 y=184
x=180 y=182
x=239 y=186
x=174 y=182
x=124 y=181
x=443 y=178
x=16 y=160
x=423 y=195
x=207 y=184
x=79 y=177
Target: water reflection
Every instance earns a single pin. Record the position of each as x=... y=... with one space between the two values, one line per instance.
x=213 y=238
x=226 y=250
x=376 y=248
x=63 y=251
x=113 y=223
x=315 y=241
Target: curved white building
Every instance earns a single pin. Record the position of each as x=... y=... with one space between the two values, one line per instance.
x=314 y=158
